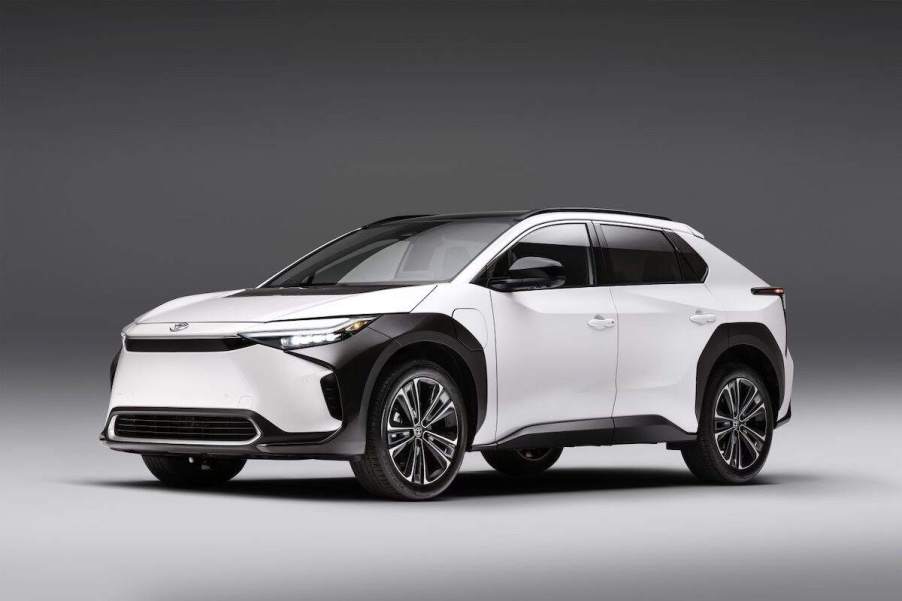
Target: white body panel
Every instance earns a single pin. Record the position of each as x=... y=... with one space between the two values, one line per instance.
x=552 y=366
x=222 y=307
x=659 y=348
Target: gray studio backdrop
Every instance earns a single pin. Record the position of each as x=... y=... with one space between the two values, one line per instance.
x=155 y=150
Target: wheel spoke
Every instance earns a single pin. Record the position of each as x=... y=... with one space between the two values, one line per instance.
x=446 y=408
x=405 y=403
x=758 y=409
x=425 y=472
x=451 y=443
x=438 y=453
x=436 y=396
x=398 y=429
x=752 y=400
x=760 y=438
x=418 y=403
x=398 y=446
x=751 y=445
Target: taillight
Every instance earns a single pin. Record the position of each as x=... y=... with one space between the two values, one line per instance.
x=772 y=291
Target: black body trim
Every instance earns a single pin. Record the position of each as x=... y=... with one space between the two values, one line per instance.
x=270 y=435
x=630 y=429
x=731 y=335
x=185 y=345
x=358 y=361
x=785 y=419
x=114 y=365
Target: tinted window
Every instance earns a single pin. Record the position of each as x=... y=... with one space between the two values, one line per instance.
x=568 y=244
x=693 y=266
x=410 y=252
x=640 y=256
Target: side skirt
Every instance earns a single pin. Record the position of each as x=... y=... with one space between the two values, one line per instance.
x=630 y=429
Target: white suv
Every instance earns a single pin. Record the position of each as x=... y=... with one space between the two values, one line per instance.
x=403 y=344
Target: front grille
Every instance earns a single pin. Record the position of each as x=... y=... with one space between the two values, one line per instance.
x=184 y=345
x=184 y=427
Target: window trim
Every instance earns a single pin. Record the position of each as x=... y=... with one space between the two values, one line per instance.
x=609 y=265
x=482 y=277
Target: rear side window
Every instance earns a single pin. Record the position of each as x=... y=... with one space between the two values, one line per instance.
x=640 y=256
x=694 y=268
x=568 y=244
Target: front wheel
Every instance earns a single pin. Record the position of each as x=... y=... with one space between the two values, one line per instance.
x=187 y=471
x=523 y=462
x=735 y=428
x=416 y=434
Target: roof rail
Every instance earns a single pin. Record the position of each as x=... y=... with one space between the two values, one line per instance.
x=591 y=210
x=395 y=218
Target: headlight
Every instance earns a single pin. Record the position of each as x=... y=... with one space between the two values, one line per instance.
x=309 y=332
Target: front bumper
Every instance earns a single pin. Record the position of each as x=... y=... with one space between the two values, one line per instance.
x=285 y=389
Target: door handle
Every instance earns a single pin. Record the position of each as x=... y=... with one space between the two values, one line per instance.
x=600 y=323
x=703 y=318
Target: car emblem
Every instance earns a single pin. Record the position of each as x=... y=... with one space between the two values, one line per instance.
x=178 y=327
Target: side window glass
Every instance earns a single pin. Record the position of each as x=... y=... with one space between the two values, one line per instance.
x=567 y=244
x=640 y=256
x=694 y=268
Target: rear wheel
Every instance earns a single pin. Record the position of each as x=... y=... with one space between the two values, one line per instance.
x=523 y=462
x=416 y=434
x=188 y=471
x=735 y=428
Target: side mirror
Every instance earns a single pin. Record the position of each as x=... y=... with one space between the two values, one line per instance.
x=530 y=273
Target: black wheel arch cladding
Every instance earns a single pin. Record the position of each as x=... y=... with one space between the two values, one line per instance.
x=730 y=340
x=359 y=361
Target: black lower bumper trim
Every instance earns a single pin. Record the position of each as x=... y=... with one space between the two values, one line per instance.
x=272 y=443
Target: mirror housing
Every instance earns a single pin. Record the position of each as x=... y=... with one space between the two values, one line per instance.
x=530 y=273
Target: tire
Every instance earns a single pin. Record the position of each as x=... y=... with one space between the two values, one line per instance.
x=523 y=462
x=193 y=472
x=414 y=469
x=732 y=451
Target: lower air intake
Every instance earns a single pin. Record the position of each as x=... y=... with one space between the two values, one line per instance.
x=185 y=428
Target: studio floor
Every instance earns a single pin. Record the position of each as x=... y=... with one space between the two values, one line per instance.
x=823 y=521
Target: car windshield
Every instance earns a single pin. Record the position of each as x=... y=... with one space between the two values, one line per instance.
x=411 y=252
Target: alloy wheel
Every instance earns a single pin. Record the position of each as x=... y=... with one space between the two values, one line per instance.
x=740 y=423
x=421 y=430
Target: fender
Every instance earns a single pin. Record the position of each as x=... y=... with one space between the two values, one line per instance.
x=730 y=335
x=358 y=361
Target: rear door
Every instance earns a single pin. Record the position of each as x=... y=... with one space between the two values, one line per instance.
x=665 y=317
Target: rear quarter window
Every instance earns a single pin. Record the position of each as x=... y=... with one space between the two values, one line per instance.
x=694 y=268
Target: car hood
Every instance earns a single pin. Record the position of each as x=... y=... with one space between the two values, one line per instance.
x=275 y=304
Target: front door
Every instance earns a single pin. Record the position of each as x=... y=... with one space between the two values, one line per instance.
x=556 y=348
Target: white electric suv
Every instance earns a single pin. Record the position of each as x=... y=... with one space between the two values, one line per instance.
x=403 y=344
